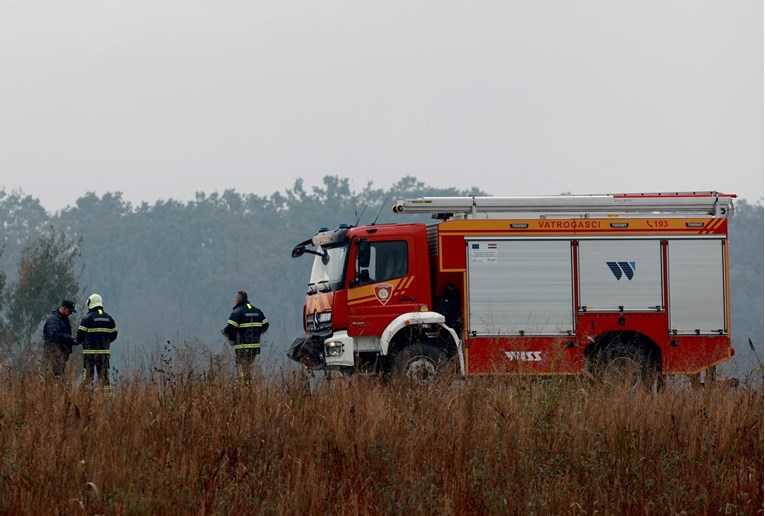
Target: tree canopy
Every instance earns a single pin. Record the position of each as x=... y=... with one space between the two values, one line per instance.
x=168 y=271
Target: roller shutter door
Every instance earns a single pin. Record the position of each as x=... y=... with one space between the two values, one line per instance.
x=520 y=286
x=697 y=286
x=618 y=273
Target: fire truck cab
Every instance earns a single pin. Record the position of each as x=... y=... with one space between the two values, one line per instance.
x=524 y=285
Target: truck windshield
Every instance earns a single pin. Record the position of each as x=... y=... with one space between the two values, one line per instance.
x=328 y=271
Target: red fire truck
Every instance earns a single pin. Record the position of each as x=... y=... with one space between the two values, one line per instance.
x=524 y=285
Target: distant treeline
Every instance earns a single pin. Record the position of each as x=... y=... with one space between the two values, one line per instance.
x=168 y=271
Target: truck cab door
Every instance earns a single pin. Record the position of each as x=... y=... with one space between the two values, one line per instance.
x=383 y=284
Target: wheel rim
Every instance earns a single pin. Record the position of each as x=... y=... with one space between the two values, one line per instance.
x=421 y=370
x=623 y=371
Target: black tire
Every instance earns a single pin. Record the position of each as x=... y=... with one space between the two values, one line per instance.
x=622 y=365
x=420 y=364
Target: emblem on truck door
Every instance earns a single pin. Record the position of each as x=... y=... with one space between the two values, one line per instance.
x=628 y=268
x=383 y=292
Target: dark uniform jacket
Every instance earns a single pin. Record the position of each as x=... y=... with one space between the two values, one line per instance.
x=57 y=332
x=245 y=325
x=96 y=332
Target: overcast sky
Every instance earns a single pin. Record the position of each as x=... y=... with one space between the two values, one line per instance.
x=163 y=98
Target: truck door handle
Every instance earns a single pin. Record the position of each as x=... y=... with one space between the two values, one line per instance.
x=407 y=298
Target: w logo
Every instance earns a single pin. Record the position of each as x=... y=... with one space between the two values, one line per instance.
x=622 y=268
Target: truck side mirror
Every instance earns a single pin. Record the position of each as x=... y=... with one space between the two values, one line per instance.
x=363 y=253
x=362 y=278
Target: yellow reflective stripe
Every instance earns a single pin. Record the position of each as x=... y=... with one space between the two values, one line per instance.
x=83 y=328
x=95 y=351
x=246 y=346
x=233 y=323
x=99 y=330
x=251 y=325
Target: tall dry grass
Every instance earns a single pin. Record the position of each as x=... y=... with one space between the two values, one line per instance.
x=201 y=442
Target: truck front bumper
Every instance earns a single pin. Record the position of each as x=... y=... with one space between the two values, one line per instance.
x=308 y=351
x=339 y=349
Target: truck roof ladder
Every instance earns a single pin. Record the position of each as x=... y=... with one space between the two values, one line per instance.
x=702 y=204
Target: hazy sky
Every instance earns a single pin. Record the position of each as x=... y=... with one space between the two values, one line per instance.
x=164 y=98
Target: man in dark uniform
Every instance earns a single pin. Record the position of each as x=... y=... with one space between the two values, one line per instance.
x=96 y=333
x=57 y=338
x=245 y=325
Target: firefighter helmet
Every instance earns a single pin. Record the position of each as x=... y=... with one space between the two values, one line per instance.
x=95 y=301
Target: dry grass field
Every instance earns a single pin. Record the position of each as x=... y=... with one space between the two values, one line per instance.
x=182 y=442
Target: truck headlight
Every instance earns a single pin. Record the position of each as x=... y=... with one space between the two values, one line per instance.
x=333 y=348
x=318 y=320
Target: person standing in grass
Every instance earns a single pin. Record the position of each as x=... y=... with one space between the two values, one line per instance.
x=96 y=333
x=58 y=339
x=245 y=326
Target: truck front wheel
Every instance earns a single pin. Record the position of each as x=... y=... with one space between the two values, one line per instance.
x=420 y=364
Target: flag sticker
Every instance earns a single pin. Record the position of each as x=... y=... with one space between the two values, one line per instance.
x=483 y=253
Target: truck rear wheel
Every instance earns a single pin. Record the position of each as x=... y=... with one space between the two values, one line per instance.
x=421 y=364
x=621 y=364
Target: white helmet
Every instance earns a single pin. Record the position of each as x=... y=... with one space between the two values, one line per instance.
x=95 y=301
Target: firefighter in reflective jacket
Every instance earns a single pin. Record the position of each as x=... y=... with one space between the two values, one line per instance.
x=96 y=333
x=245 y=325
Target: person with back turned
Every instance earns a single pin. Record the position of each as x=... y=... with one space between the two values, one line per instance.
x=245 y=326
x=58 y=339
x=96 y=333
